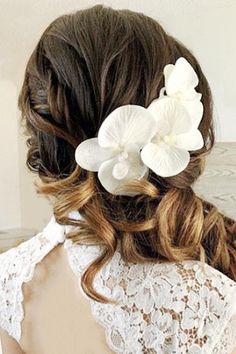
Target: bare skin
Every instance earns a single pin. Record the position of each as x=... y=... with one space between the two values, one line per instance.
x=56 y=312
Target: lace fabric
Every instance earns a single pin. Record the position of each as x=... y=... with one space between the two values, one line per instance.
x=163 y=307
x=17 y=267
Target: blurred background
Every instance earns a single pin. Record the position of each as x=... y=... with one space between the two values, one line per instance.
x=207 y=28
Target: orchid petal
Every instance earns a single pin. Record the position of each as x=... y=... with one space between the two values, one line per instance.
x=89 y=154
x=132 y=148
x=136 y=167
x=182 y=78
x=195 y=110
x=137 y=170
x=120 y=170
x=171 y=117
x=106 y=177
x=167 y=71
x=188 y=95
x=162 y=92
x=165 y=160
x=192 y=140
x=126 y=124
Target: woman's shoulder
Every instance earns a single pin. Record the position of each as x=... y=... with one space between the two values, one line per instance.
x=204 y=273
x=199 y=284
x=189 y=300
x=210 y=304
x=17 y=266
x=208 y=286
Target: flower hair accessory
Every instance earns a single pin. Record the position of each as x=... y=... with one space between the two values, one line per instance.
x=133 y=139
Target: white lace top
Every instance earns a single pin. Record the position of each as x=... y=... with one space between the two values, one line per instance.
x=164 y=308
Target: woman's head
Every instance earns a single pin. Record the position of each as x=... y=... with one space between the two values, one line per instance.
x=85 y=65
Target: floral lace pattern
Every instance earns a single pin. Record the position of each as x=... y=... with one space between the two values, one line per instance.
x=168 y=308
x=17 y=267
x=164 y=307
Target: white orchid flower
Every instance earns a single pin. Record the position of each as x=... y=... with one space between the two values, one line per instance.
x=167 y=152
x=133 y=138
x=180 y=83
x=115 y=153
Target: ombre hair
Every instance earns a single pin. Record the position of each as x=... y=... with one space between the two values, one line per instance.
x=86 y=64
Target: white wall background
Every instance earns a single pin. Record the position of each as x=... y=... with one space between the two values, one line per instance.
x=207 y=27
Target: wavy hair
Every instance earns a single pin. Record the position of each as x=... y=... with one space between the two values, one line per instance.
x=86 y=64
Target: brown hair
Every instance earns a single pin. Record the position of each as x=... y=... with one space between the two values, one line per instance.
x=85 y=65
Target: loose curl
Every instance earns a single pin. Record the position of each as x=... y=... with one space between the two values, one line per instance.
x=85 y=65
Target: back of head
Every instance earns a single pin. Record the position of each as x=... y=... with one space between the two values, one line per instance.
x=85 y=65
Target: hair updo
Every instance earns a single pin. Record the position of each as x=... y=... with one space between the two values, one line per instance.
x=85 y=65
